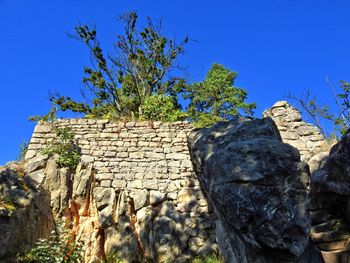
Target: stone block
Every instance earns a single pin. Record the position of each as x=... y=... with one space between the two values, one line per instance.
x=157 y=197
x=137 y=184
x=177 y=156
x=140 y=198
x=109 y=154
x=106 y=183
x=150 y=184
x=87 y=159
x=118 y=183
x=42 y=128
x=136 y=155
x=153 y=155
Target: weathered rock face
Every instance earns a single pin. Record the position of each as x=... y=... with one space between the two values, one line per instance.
x=330 y=181
x=258 y=188
x=25 y=213
x=294 y=131
x=133 y=224
x=134 y=195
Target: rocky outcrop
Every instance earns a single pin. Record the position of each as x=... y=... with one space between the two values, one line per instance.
x=330 y=181
x=294 y=131
x=258 y=188
x=134 y=195
x=25 y=213
x=134 y=224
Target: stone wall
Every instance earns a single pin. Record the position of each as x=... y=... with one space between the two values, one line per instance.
x=294 y=131
x=135 y=193
x=144 y=198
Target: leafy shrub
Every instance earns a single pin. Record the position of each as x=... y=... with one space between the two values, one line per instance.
x=208 y=259
x=112 y=258
x=57 y=249
x=7 y=203
x=23 y=148
x=65 y=147
x=162 y=108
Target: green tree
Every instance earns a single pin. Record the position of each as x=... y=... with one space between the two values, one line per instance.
x=342 y=121
x=216 y=98
x=118 y=85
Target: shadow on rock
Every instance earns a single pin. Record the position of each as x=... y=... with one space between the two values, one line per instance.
x=259 y=190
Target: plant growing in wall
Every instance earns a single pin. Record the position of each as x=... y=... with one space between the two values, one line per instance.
x=64 y=146
x=162 y=108
x=58 y=248
x=23 y=148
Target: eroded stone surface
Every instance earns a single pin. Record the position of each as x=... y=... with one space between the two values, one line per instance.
x=294 y=131
x=134 y=193
x=330 y=184
x=258 y=188
x=25 y=213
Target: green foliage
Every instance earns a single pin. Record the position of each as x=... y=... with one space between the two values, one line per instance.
x=119 y=85
x=338 y=226
x=208 y=259
x=49 y=117
x=64 y=146
x=57 y=249
x=23 y=148
x=216 y=98
x=342 y=121
x=8 y=203
x=162 y=108
x=112 y=258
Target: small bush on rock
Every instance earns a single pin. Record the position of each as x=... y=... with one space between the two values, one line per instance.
x=65 y=147
x=57 y=249
x=208 y=259
x=162 y=108
x=23 y=148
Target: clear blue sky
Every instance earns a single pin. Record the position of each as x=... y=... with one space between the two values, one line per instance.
x=275 y=46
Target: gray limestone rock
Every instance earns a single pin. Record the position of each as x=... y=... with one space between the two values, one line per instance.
x=306 y=137
x=140 y=198
x=258 y=188
x=25 y=213
x=156 y=197
x=330 y=185
x=334 y=174
x=317 y=161
x=105 y=199
x=82 y=180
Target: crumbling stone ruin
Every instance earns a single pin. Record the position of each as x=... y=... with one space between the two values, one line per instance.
x=294 y=131
x=258 y=187
x=134 y=194
x=149 y=191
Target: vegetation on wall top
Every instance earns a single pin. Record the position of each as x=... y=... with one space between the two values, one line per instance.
x=142 y=80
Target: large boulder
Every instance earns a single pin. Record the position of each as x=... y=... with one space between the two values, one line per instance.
x=334 y=174
x=330 y=195
x=25 y=214
x=306 y=137
x=258 y=188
